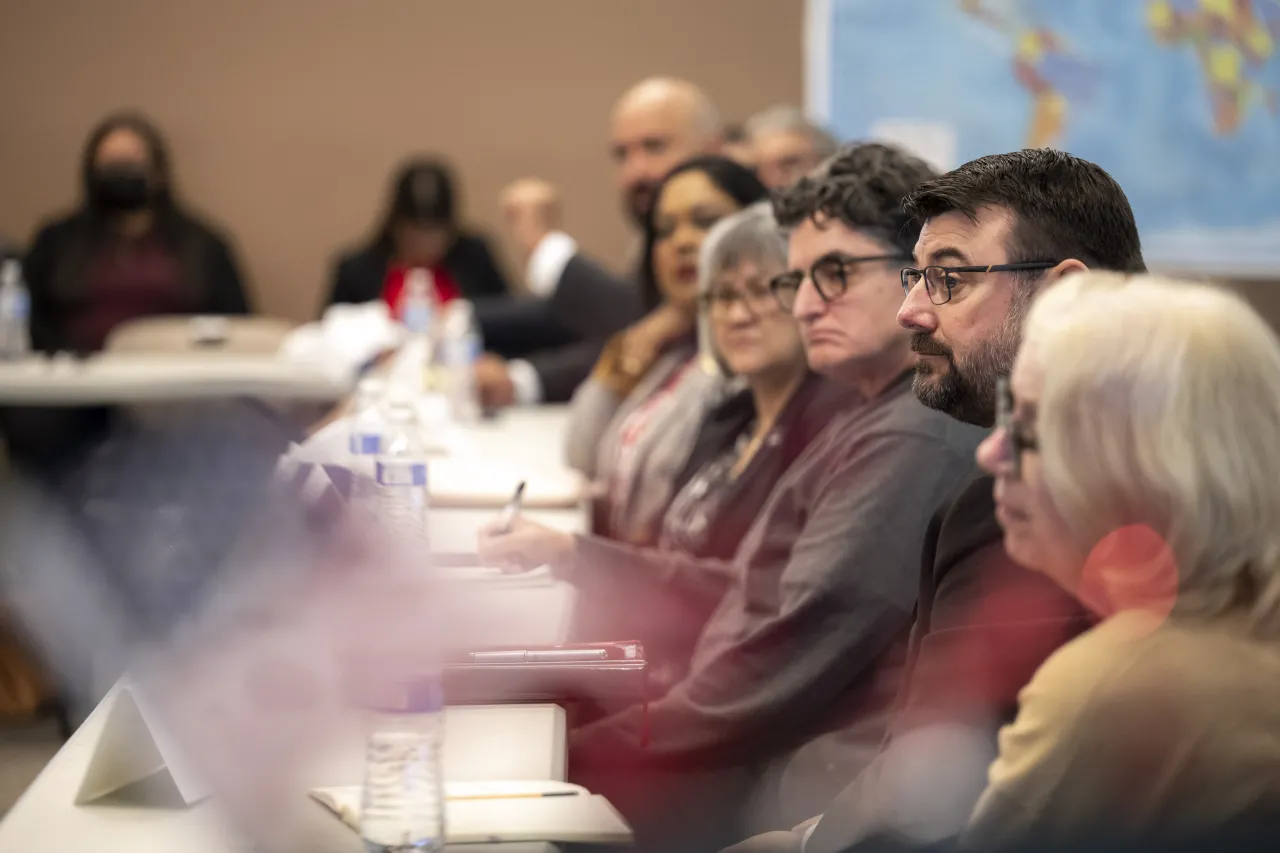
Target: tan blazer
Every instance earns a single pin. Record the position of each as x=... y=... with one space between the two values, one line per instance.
x=1139 y=725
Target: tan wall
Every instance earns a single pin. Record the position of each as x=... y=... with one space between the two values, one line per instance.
x=287 y=116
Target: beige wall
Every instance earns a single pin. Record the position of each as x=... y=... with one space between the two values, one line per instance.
x=287 y=116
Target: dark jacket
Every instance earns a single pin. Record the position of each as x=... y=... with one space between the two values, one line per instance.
x=358 y=275
x=43 y=439
x=810 y=631
x=54 y=270
x=562 y=335
x=983 y=626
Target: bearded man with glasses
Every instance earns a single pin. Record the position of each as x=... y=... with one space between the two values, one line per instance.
x=993 y=232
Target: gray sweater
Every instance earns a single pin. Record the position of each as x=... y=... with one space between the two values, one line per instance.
x=594 y=437
x=808 y=634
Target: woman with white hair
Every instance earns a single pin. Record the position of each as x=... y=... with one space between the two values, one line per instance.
x=1136 y=465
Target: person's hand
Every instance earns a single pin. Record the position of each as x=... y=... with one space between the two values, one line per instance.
x=531 y=210
x=645 y=341
x=768 y=842
x=525 y=546
x=493 y=383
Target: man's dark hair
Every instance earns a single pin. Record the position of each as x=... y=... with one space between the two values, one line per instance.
x=861 y=185
x=1063 y=207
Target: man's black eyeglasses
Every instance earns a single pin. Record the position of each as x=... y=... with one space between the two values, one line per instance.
x=938 y=281
x=1015 y=434
x=830 y=275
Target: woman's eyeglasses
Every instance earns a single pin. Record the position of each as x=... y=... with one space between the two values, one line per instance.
x=1018 y=438
x=757 y=296
x=830 y=275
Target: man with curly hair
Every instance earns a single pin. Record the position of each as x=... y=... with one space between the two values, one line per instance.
x=805 y=647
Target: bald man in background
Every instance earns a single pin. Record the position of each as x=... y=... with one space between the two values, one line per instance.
x=541 y=349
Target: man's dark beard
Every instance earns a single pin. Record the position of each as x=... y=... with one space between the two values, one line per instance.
x=969 y=395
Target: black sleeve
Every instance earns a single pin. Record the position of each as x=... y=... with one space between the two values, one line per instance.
x=226 y=293
x=476 y=270
x=563 y=369
x=594 y=302
x=37 y=269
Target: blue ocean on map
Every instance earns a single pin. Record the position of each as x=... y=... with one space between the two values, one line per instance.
x=1178 y=99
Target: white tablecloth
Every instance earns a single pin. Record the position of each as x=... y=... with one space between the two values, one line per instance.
x=508 y=742
x=118 y=378
x=481 y=743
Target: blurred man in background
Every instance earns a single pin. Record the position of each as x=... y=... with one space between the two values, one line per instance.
x=542 y=348
x=786 y=146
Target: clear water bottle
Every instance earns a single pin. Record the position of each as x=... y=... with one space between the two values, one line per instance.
x=402 y=803
x=401 y=477
x=15 y=312
x=460 y=347
x=368 y=433
x=412 y=363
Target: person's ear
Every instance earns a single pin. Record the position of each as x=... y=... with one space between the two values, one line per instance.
x=1068 y=267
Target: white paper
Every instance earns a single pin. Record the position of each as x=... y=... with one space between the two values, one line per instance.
x=501 y=811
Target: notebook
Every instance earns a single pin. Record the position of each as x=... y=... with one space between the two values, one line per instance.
x=498 y=812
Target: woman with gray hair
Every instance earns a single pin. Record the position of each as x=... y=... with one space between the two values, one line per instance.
x=742 y=448
x=1136 y=466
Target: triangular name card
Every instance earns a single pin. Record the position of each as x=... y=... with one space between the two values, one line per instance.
x=131 y=749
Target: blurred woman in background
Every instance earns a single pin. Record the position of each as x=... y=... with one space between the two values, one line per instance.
x=634 y=419
x=420 y=228
x=1136 y=466
x=743 y=447
x=131 y=249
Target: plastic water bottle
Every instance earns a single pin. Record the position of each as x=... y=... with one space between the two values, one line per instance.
x=368 y=434
x=15 y=312
x=412 y=364
x=401 y=478
x=460 y=347
x=402 y=804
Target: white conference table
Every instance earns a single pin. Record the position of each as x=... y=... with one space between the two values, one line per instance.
x=517 y=742
x=129 y=378
x=486 y=742
x=531 y=439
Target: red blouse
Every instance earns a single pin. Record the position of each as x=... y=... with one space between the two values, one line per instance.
x=393 y=287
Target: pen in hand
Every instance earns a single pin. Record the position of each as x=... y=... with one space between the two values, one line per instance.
x=507 y=516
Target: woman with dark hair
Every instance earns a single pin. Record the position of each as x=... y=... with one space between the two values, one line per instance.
x=129 y=251
x=635 y=418
x=419 y=229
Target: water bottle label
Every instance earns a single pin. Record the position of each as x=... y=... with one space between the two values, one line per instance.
x=402 y=473
x=417 y=318
x=366 y=444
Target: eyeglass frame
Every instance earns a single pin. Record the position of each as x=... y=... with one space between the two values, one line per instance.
x=844 y=262
x=923 y=273
x=1016 y=441
x=707 y=299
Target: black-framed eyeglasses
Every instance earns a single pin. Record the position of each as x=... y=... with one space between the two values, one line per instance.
x=830 y=275
x=938 y=281
x=1015 y=434
x=757 y=296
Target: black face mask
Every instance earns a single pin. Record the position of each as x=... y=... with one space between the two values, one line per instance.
x=120 y=188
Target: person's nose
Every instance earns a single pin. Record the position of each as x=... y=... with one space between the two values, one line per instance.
x=993 y=454
x=917 y=312
x=809 y=304
x=738 y=314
